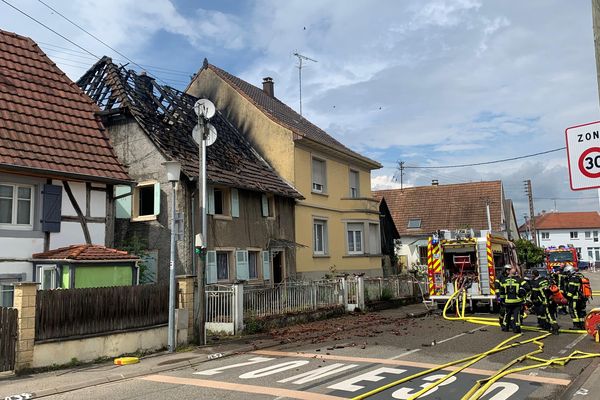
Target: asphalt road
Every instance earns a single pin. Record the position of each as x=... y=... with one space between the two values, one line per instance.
x=348 y=356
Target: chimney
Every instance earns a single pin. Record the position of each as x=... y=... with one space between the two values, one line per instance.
x=268 y=86
x=434 y=182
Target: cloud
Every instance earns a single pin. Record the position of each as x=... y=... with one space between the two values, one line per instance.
x=381 y=182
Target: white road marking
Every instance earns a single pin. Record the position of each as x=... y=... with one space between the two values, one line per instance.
x=457 y=336
x=404 y=354
x=574 y=342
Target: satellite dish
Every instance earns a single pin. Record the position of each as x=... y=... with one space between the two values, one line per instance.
x=210 y=138
x=204 y=108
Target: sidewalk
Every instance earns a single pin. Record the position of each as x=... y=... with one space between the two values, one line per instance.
x=64 y=380
x=586 y=384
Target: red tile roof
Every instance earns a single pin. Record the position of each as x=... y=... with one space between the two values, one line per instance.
x=85 y=252
x=457 y=206
x=46 y=122
x=284 y=115
x=566 y=220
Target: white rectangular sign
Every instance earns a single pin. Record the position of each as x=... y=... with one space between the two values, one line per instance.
x=583 y=154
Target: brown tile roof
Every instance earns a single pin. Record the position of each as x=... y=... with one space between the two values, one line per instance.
x=284 y=115
x=168 y=118
x=85 y=252
x=566 y=220
x=46 y=122
x=439 y=207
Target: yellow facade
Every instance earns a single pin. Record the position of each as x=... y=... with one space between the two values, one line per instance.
x=293 y=159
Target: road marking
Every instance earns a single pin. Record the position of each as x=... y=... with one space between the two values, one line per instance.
x=406 y=363
x=574 y=342
x=237 y=387
x=404 y=354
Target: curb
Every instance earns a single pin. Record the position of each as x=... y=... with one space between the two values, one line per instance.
x=581 y=380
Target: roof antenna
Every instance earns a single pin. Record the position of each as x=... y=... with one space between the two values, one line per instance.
x=300 y=59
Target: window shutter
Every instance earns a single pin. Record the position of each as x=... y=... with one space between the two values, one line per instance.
x=235 y=203
x=211 y=267
x=123 y=205
x=210 y=201
x=51 y=208
x=156 y=198
x=265 y=205
x=266 y=265
x=241 y=265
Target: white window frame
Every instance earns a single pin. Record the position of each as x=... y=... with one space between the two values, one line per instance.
x=588 y=234
x=574 y=235
x=15 y=207
x=314 y=185
x=135 y=198
x=40 y=271
x=545 y=235
x=354 y=191
x=357 y=230
x=324 y=240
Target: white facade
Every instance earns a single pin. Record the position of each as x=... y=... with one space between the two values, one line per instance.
x=412 y=251
x=21 y=233
x=586 y=241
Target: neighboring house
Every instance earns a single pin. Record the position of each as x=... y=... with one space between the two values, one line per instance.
x=86 y=266
x=251 y=221
x=561 y=228
x=419 y=212
x=57 y=168
x=338 y=221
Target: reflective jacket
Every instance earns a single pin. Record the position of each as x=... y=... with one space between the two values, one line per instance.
x=498 y=284
x=573 y=286
x=539 y=290
x=513 y=290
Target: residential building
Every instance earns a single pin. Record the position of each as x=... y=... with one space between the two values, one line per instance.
x=581 y=229
x=251 y=209
x=421 y=211
x=337 y=221
x=57 y=167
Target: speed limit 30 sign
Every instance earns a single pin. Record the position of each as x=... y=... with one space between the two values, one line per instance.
x=583 y=154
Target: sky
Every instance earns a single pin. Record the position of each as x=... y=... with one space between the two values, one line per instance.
x=426 y=82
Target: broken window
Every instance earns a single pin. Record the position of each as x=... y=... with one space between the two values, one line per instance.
x=146 y=201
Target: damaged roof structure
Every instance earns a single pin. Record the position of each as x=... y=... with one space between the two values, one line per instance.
x=167 y=116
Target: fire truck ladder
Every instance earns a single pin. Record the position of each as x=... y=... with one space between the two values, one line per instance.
x=484 y=273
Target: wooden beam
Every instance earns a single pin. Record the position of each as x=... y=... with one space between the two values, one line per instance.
x=82 y=221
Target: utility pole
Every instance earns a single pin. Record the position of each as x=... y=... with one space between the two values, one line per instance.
x=401 y=167
x=529 y=194
x=300 y=59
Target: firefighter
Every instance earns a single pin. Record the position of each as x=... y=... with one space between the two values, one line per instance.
x=499 y=294
x=539 y=299
x=514 y=293
x=575 y=296
x=560 y=279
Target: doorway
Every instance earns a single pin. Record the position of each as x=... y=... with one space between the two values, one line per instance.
x=278 y=266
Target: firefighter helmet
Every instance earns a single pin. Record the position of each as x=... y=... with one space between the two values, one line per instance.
x=568 y=269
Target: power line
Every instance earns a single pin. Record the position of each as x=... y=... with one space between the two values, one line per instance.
x=486 y=162
x=50 y=29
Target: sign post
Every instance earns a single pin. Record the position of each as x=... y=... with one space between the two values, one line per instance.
x=583 y=154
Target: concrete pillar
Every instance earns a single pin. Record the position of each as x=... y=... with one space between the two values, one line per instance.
x=360 y=292
x=24 y=302
x=238 y=307
x=344 y=293
x=185 y=300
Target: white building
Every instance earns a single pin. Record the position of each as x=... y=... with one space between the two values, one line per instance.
x=581 y=229
x=57 y=167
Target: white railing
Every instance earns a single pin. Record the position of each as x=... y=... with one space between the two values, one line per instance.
x=220 y=309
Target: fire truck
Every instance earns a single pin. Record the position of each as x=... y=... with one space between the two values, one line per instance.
x=464 y=259
x=557 y=257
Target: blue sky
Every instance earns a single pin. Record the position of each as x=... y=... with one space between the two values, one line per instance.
x=435 y=82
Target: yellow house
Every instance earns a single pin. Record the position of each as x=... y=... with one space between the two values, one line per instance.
x=337 y=224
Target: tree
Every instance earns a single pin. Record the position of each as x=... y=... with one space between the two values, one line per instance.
x=529 y=253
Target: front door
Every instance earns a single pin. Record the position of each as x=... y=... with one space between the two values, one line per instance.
x=278 y=266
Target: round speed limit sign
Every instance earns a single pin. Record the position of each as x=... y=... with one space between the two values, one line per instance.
x=583 y=153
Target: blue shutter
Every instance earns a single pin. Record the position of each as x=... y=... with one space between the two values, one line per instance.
x=235 y=203
x=265 y=205
x=123 y=205
x=241 y=265
x=156 y=198
x=266 y=265
x=211 y=267
x=210 y=200
x=51 y=208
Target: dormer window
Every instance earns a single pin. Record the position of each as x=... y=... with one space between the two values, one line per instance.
x=414 y=223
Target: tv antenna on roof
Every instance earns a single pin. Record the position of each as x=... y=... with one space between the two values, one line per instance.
x=300 y=59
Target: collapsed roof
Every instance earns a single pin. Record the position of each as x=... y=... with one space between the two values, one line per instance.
x=167 y=116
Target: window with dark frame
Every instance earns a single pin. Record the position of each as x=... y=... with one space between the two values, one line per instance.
x=222 y=265
x=423 y=255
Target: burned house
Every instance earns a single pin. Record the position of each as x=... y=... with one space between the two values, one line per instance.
x=250 y=207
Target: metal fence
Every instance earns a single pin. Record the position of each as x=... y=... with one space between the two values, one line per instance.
x=220 y=304
x=291 y=297
x=393 y=287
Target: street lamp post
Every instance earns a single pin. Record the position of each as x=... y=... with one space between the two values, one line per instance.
x=173 y=171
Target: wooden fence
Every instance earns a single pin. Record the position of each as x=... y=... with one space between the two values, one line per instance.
x=8 y=338
x=76 y=313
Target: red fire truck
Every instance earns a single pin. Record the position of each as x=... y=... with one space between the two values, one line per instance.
x=556 y=257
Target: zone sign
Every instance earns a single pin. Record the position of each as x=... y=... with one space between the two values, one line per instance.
x=583 y=155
